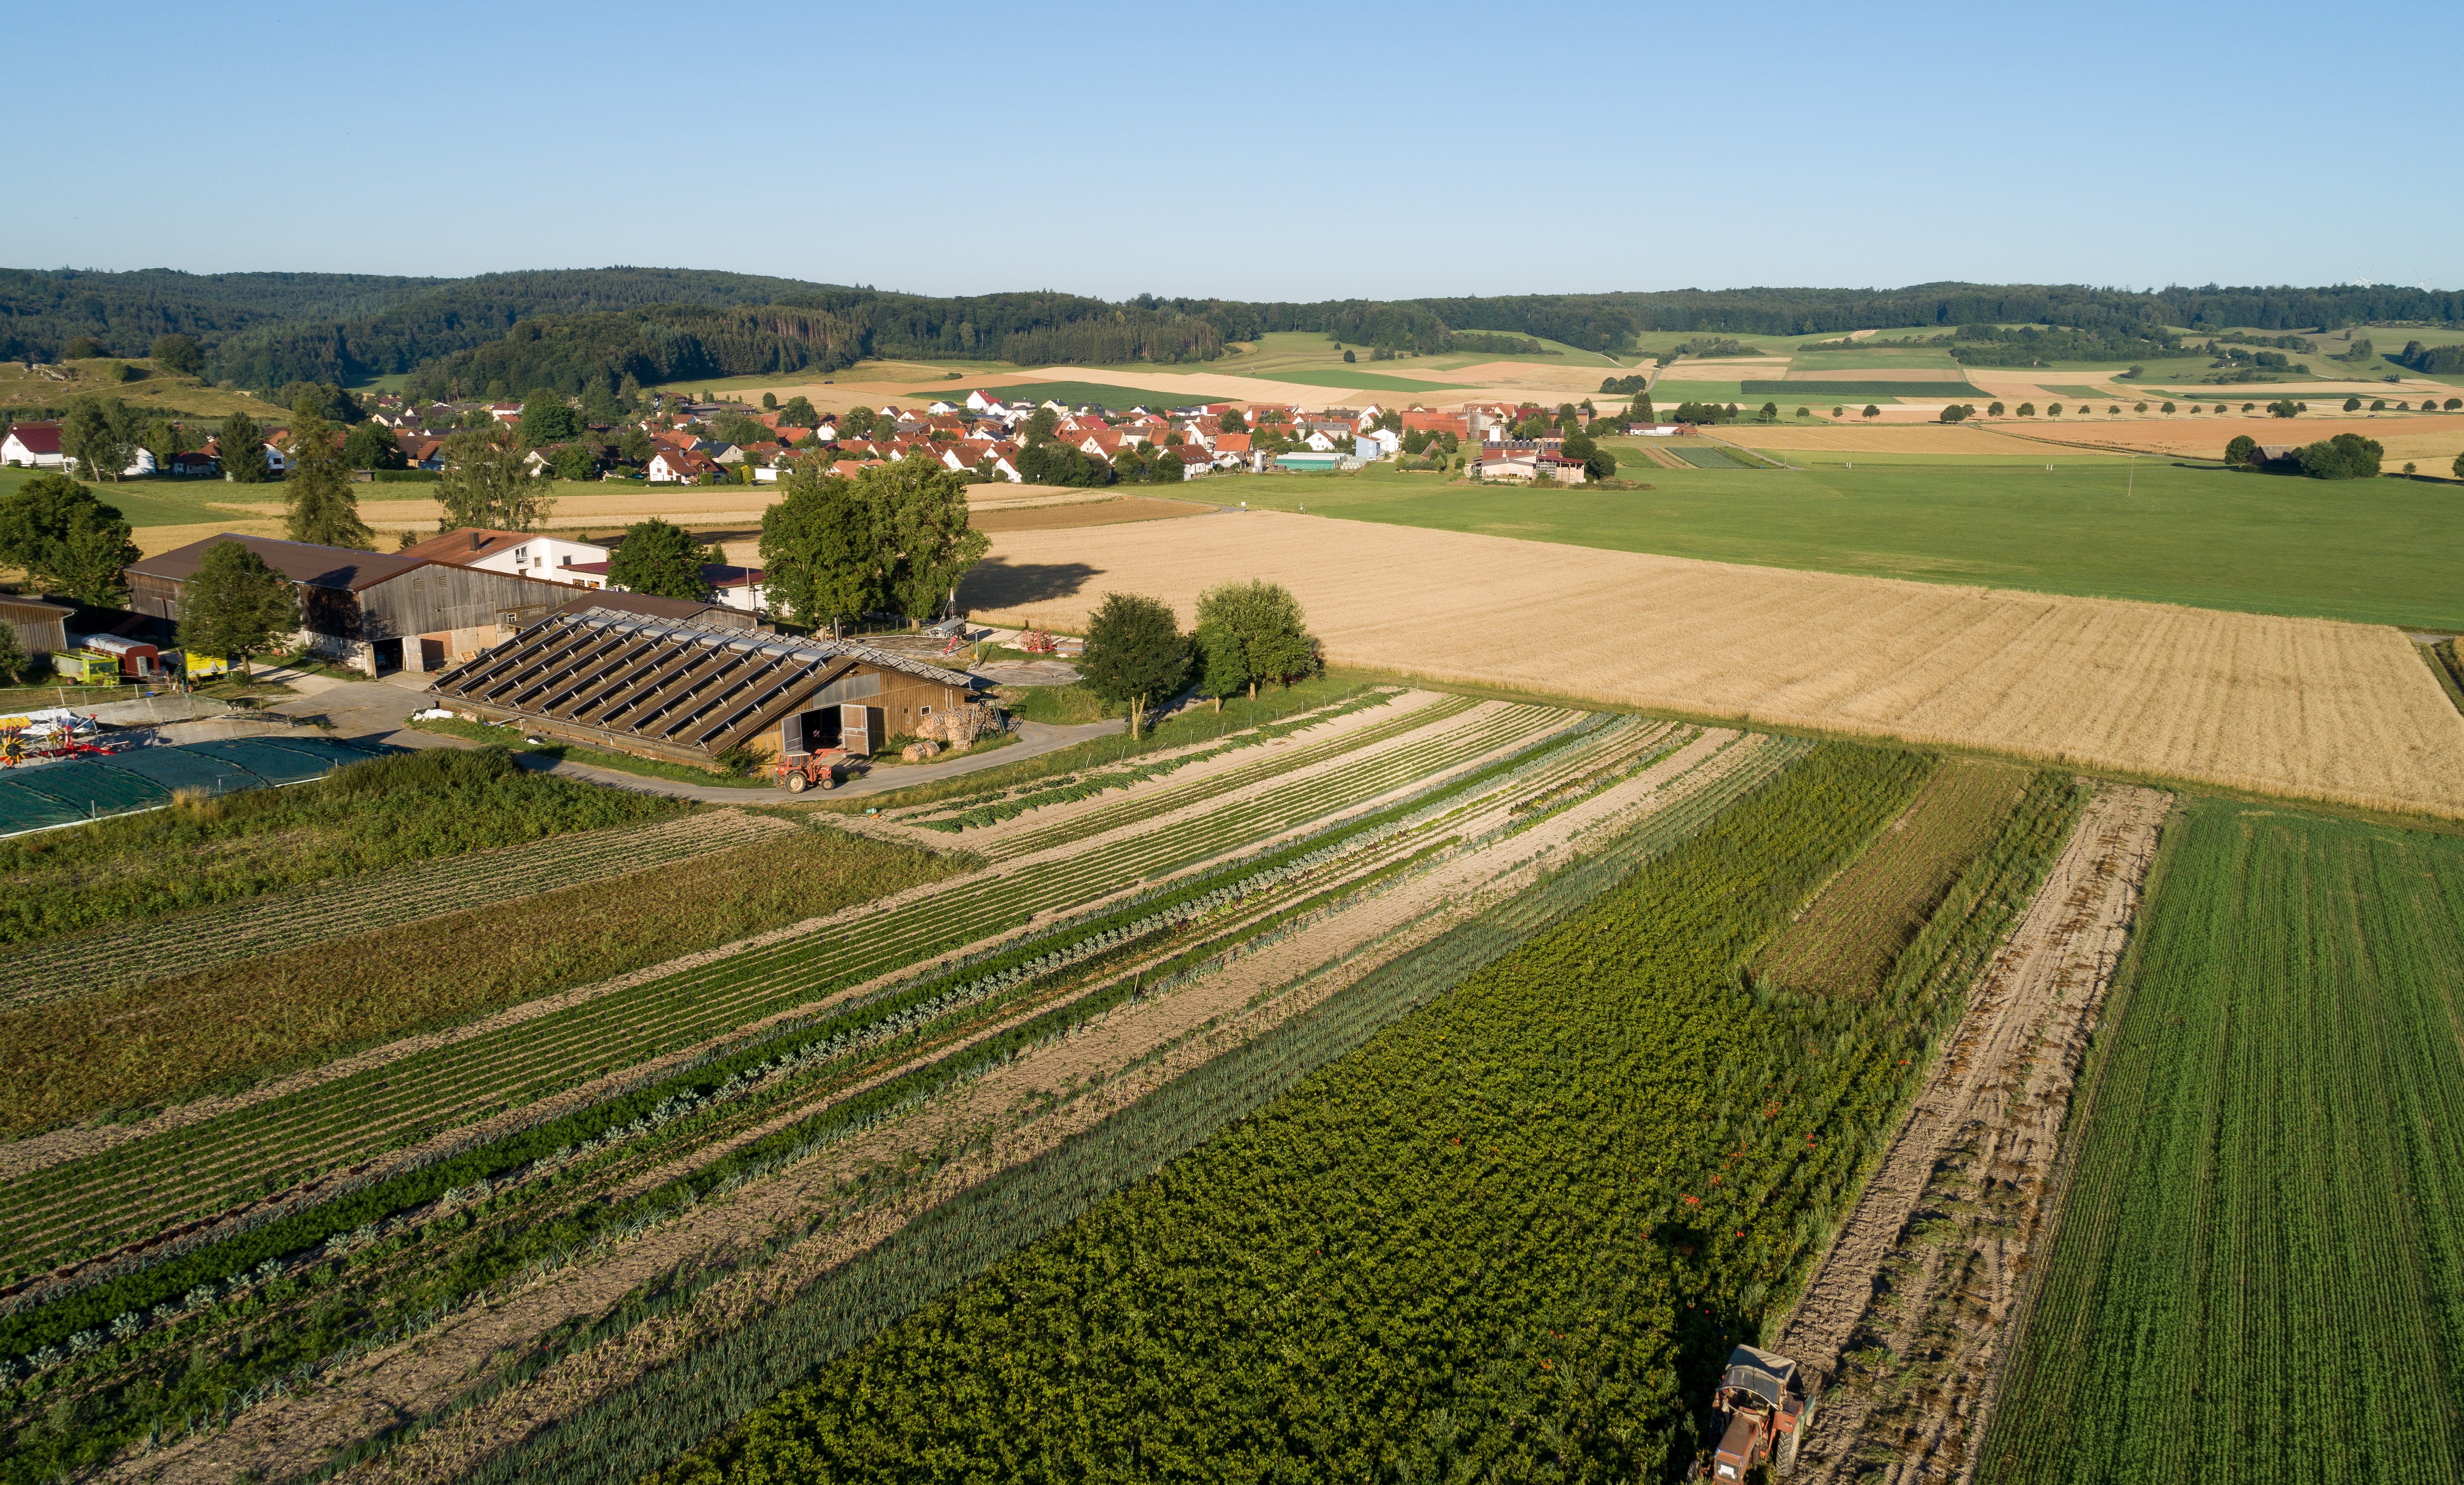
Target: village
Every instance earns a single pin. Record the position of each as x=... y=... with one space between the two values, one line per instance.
x=680 y=440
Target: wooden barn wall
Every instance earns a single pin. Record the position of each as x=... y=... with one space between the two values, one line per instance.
x=439 y=597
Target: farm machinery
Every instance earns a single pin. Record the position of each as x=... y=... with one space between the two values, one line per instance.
x=1762 y=1397
x=814 y=745
x=48 y=736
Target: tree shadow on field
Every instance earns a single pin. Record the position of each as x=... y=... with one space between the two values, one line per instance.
x=999 y=584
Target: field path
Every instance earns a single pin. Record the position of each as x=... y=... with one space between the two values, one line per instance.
x=1993 y=1109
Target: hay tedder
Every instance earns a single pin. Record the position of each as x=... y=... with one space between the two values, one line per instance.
x=1762 y=1399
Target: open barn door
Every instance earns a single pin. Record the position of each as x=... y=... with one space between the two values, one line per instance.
x=861 y=729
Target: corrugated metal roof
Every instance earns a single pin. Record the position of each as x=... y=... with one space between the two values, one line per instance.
x=683 y=687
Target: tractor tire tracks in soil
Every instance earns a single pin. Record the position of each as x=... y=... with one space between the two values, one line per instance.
x=1905 y=1320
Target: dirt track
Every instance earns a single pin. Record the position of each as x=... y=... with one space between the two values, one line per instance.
x=1904 y=1319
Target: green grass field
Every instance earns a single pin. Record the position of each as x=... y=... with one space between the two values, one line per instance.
x=163 y=502
x=1357 y=381
x=1846 y=363
x=2256 y=1274
x=2378 y=552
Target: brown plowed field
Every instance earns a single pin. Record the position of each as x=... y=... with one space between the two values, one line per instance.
x=2303 y=707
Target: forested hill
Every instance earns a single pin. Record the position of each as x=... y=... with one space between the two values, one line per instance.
x=572 y=328
x=42 y=312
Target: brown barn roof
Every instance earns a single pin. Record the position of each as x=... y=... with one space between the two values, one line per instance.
x=338 y=568
x=465 y=544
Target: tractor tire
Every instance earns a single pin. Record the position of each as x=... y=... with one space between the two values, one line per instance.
x=830 y=780
x=1784 y=1457
x=796 y=782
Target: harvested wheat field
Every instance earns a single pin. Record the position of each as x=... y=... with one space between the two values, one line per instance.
x=1069 y=516
x=2204 y=436
x=2303 y=707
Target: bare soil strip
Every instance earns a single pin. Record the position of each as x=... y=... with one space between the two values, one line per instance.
x=1006 y=1116
x=1905 y=1318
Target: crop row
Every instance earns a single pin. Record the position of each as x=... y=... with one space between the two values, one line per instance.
x=270 y=1347
x=1068 y=789
x=208 y=937
x=2257 y=1271
x=127 y=1192
x=182 y=1301
x=1438 y=1255
x=1147 y=804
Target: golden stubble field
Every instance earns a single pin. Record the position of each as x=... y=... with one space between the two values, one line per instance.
x=2301 y=707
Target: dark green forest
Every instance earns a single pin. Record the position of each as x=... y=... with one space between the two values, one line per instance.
x=573 y=327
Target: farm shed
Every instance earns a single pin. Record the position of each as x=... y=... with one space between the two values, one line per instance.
x=687 y=691
x=371 y=612
x=42 y=628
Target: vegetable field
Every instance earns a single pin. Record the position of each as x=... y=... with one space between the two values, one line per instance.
x=1433 y=1009
x=1505 y=1239
x=2259 y=1272
x=1845 y=941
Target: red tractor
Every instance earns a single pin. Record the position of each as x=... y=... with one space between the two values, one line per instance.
x=814 y=745
x=1763 y=1399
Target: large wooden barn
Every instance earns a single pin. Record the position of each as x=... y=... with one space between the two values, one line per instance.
x=690 y=690
x=369 y=610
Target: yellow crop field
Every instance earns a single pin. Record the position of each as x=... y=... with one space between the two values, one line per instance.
x=2301 y=707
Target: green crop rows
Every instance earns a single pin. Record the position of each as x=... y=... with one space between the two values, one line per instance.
x=403 y=1249
x=2259 y=1272
x=86 y=1205
x=203 y=938
x=1502 y=1240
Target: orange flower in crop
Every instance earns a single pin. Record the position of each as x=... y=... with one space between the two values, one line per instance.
x=1694 y=1201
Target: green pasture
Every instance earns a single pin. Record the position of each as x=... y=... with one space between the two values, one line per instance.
x=162 y=502
x=1896 y=358
x=2375 y=551
x=1347 y=377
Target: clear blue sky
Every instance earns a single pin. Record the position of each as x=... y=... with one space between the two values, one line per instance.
x=1250 y=151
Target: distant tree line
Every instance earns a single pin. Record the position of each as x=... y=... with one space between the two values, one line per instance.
x=271 y=329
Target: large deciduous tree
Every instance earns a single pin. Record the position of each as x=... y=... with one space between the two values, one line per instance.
x=236 y=607
x=371 y=445
x=488 y=483
x=319 y=505
x=820 y=556
x=547 y=419
x=66 y=541
x=100 y=435
x=2345 y=456
x=1261 y=625
x=656 y=556
x=920 y=510
x=179 y=353
x=1135 y=653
